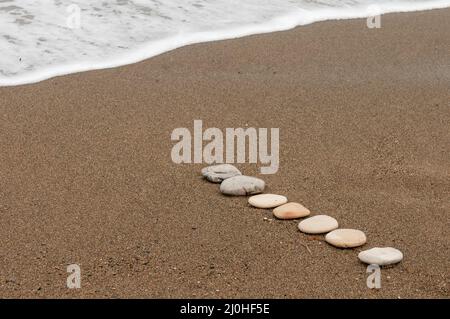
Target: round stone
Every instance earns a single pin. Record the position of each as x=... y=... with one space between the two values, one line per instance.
x=267 y=200
x=291 y=211
x=318 y=224
x=346 y=238
x=242 y=185
x=218 y=173
x=381 y=256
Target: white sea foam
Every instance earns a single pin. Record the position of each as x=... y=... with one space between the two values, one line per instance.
x=36 y=41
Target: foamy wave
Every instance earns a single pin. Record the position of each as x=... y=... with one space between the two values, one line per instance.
x=39 y=39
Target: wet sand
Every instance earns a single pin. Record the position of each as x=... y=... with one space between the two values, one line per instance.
x=86 y=175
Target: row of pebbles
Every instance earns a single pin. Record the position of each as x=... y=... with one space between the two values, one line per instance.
x=233 y=183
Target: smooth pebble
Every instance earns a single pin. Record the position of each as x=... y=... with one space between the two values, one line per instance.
x=346 y=238
x=242 y=185
x=381 y=256
x=267 y=200
x=291 y=211
x=318 y=224
x=218 y=173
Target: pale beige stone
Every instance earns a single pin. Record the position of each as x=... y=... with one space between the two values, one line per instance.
x=346 y=238
x=381 y=256
x=291 y=211
x=318 y=224
x=267 y=200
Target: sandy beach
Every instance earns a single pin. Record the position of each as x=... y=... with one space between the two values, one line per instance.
x=86 y=175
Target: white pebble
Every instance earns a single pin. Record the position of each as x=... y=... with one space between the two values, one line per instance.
x=318 y=224
x=267 y=200
x=381 y=256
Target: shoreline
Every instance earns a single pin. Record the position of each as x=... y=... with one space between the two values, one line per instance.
x=87 y=176
x=153 y=50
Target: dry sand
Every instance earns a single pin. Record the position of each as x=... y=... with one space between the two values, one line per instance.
x=86 y=175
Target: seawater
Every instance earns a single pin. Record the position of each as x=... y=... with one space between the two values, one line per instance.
x=40 y=39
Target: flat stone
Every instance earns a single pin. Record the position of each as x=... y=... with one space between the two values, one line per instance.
x=218 y=173
x=242 y=185
x=381 y=256
x=267 y=200
x=346 y=238
x=318 y=224
x=291 y=211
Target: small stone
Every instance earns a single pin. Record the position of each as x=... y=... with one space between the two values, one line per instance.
x=318 y=224
x=346 y=238
x=218 y=173
x=291 y=211
x=267 y=200
x=381 y=256
x=242 y=185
